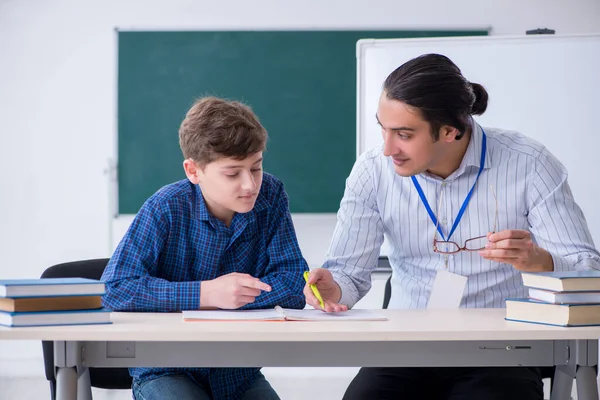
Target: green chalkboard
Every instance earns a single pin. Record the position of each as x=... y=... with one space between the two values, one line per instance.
x=301 y=84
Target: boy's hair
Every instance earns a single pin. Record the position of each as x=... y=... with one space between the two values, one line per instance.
x=215 y=128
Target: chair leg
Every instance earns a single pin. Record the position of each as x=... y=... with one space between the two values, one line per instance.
x=52 y=390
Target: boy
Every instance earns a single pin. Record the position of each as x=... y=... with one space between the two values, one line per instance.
x=223 y=238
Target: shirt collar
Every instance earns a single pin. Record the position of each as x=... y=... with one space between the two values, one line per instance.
x=201 y=210
x=261 y=203
x=472 y=157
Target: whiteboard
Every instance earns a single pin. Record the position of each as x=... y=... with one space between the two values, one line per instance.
x=544 y=86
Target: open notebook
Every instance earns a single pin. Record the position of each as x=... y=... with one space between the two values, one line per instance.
x=281 y=314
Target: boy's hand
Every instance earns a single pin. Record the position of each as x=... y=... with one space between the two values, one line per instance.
x=328 y=289
x=231 y=291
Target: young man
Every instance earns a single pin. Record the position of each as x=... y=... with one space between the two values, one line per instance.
x=431 y=179
x=221 y=238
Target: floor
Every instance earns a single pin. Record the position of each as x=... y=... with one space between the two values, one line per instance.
x=330 y=383
x=328 y=388
x=37 y=388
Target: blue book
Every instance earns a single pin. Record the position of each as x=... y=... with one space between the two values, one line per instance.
x=567 y=281
x=48 y=318
x=47 y=287
x=539 y=312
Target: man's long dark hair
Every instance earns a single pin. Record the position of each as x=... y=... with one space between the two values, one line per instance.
x=433 y=84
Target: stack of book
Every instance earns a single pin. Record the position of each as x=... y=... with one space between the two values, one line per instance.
x=569 y=298
x=52 y=301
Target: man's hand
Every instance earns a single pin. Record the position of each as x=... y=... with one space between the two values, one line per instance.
x=231 y=291
x=516 y=247
x=328 y=288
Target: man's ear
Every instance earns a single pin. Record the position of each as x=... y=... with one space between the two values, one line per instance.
x=193 y=171
x=448 y=133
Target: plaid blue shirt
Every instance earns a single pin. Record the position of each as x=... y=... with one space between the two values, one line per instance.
x=174 y=243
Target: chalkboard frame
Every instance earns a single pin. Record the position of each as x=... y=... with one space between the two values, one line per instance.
x=310 y=149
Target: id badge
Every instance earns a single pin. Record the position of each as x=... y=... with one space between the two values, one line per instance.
x=447 y=292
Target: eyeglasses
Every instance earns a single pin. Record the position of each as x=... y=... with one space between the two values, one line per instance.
x=472 y=244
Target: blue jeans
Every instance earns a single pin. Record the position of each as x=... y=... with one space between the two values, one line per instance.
x=181 y=386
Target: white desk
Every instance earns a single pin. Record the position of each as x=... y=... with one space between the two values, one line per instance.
x=410 y=338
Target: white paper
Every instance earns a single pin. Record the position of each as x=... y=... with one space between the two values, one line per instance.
x=447 y=292
x=233 y=315
x=318 y=315
x=282 y=313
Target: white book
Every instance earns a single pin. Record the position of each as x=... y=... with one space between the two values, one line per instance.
x=549 y=296
x=46 y=287
x=281 y=314
x=46 y=318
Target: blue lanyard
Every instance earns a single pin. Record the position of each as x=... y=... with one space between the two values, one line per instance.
x=464 y=205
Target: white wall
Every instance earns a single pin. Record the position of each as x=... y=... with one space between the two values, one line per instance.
x=57 y=104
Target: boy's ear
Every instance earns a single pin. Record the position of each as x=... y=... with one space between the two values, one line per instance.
x=192 y=171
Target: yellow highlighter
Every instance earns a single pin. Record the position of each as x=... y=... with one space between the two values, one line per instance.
x=314 y=289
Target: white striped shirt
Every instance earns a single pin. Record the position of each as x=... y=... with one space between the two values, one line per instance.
x=533 y=194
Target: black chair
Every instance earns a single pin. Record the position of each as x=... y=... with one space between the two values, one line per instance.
x=547 y=372
x=104 y=378
x=387 y=292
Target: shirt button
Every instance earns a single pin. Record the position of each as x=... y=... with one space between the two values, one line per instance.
x=444 y=221
x=443 y=184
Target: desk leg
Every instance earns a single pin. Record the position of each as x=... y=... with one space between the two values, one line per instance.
x=587 y=386
x=562 y=384
x=84 y=386
x=66 y=383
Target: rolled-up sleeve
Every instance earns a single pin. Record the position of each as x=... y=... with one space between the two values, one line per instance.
x=358 y=235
